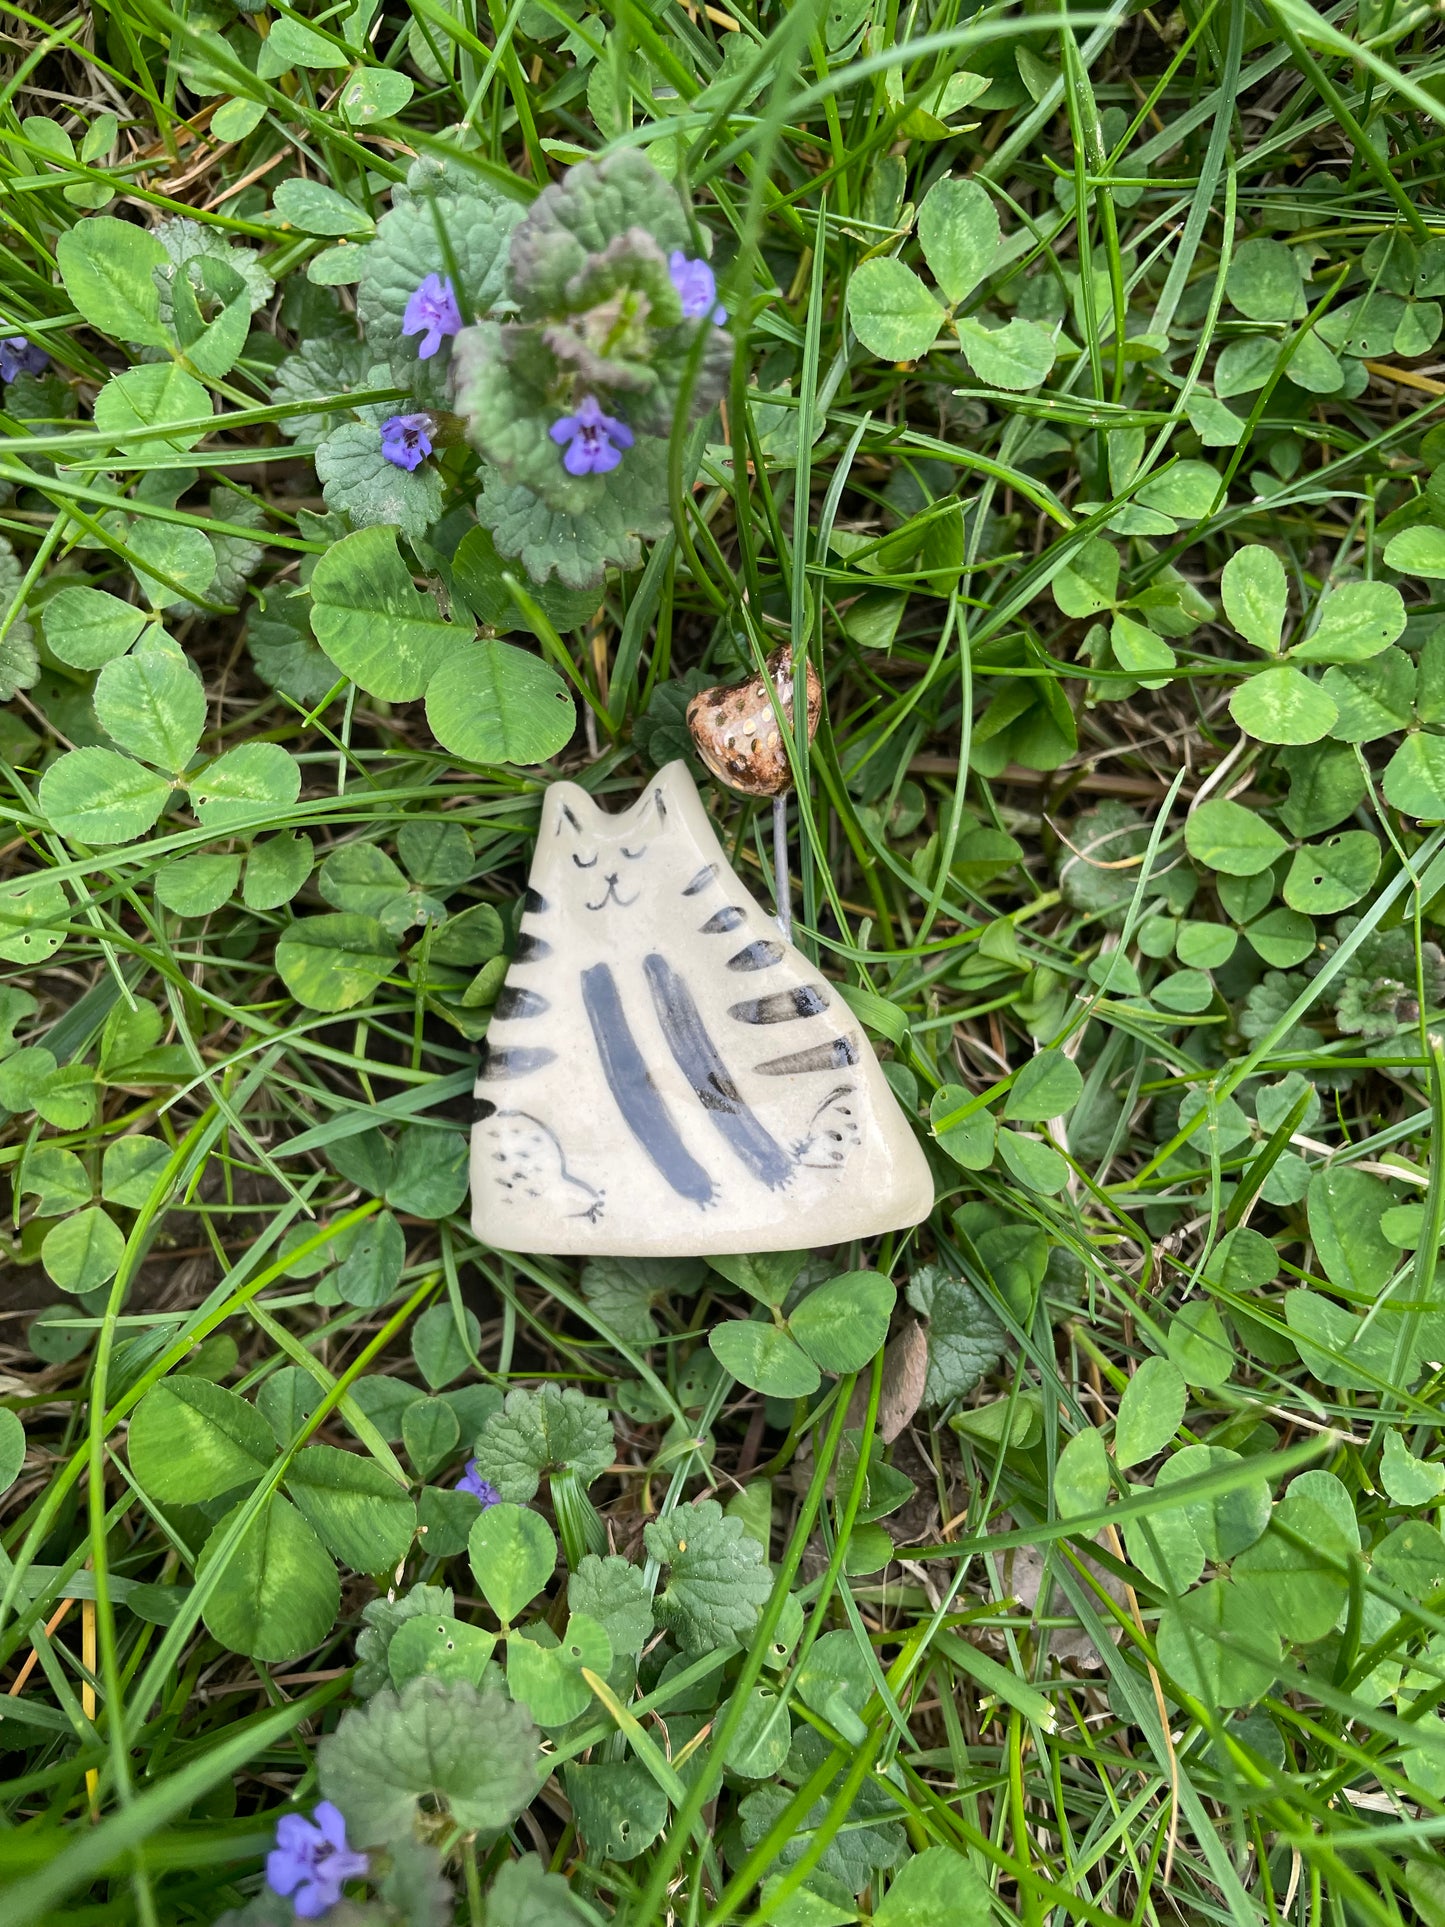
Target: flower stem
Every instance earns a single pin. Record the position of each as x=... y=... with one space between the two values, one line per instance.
x=782 y=884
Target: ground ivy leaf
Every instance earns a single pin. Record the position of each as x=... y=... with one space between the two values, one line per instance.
x=548 y=1430
x=524 y=1894
x=614 y=1592
x=464 y=233
x=474 y=1754
x=965 y=1339
x=717 y=1581
x=360 y=482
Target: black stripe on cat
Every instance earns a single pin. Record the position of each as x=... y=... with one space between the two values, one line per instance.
x=630 y=1083
x=727 y=918
x=482 y=1108
x=696 y=1056
x=531 y=949
x=700 y=882
x=831 y=1056
x=784 y=1005
x=516 y=1002
x=761 y=955
x=534 y=900
x=512 y=1060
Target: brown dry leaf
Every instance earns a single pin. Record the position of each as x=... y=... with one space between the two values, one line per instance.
x=905 y=1367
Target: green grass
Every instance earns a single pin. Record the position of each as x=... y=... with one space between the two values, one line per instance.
x=1111 y=1590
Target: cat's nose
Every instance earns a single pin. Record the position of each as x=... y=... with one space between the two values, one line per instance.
x=613 y=877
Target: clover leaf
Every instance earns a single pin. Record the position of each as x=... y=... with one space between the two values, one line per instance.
x=383 y=1619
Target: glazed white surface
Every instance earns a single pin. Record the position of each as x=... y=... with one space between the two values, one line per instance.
x=667 y=1077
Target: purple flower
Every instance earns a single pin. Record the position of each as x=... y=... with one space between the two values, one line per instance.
x=406 y=440
x=696 y=284
x=311 y=1861
x=20 y=357
x=481 y=1490
x=594 y=441
x=433 y=314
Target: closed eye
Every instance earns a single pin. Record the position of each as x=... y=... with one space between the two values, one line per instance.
x=635 y=854
x=590 y=864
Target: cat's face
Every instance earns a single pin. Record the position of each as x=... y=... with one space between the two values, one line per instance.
x=607 y=866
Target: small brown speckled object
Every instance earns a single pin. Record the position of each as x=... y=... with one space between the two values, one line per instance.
x=737 y=733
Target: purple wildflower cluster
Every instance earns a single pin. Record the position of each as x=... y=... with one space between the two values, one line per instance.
x=311 y=1861
x=20 y=357
x=432 y=313
x=406 y=440
x=594 y=442
x=481 y=1489
x=696 y=285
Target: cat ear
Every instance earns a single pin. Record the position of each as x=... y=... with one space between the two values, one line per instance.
x=671 y=794
x=567 y=810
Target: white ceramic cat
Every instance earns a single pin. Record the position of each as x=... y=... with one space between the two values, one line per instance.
x=663 y=1075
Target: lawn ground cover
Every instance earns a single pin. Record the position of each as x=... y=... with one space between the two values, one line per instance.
x=406 y=406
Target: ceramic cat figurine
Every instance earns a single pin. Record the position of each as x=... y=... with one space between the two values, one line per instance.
x=663 y=1075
